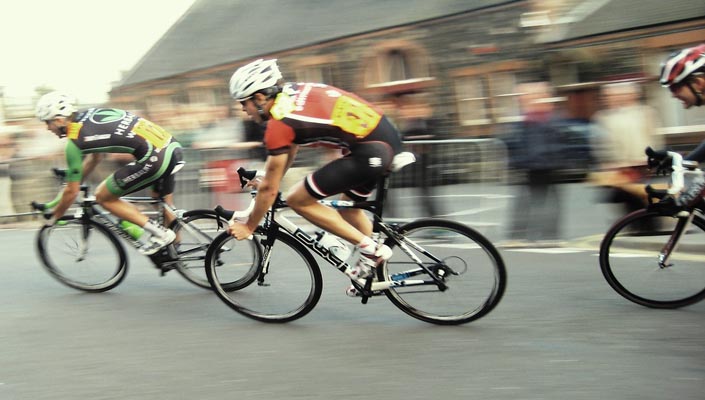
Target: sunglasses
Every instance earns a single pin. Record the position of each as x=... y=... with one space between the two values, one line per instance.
x=243 y=102
x=676 y=87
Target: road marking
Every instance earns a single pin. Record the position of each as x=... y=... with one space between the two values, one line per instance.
x=551 y=250
x=630 y=255
x=471 y=211
x=452 y=246
x=485 y=196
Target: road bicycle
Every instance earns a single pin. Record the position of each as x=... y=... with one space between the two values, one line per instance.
x=83 y=251
x=655 y=257
x=442 y=271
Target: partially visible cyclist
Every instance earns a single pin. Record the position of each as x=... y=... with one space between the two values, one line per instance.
x=94 y=131
x=313 y=113
x=683 y=73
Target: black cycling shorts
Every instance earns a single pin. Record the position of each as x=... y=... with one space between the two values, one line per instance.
x=155 y=171
x=356 y=173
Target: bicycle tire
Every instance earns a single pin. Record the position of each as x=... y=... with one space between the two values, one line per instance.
x=291 y=288
x=629 y=260
x=468 y=253
x=87 y=269
x=192 y=243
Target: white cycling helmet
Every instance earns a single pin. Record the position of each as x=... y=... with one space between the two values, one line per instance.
x=254 y=77
x=55 y=104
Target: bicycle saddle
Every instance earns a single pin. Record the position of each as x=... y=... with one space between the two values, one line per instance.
x=401 y=160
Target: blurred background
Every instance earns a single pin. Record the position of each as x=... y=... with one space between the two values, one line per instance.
x=447 y=72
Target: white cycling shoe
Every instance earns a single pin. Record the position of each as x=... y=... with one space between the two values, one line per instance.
x=157 y=243
x=365 y=267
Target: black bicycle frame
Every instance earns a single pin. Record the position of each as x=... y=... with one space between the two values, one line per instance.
x=375 y=206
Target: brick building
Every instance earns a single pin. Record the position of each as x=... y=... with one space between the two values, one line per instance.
x=466 y=56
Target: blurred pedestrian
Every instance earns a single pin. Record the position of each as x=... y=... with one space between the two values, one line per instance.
x=536 y=157
x=626 y=127
x=414 y=119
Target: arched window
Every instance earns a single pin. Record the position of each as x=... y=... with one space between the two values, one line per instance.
x=397 y=66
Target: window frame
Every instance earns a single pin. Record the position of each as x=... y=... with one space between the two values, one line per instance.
x=492 y=97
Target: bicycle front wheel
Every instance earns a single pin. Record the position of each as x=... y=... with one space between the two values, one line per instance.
x=82 y=254
x=194 y=233
x=475 y=275
x=286 y=285
x=629 y=259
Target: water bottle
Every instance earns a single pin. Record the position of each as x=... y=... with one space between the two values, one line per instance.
x=337 y=246
x=135 y=231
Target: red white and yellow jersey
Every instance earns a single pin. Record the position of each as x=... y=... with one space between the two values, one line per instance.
x=314 y=113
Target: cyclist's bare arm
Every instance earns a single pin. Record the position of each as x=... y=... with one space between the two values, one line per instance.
x=292 y=155
x=67 y=198
x=90 y=162
x=267 y=192
x=257 y=179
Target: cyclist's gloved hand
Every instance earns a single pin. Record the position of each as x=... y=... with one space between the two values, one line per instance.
x=49 y=219
x=254 y=183
x=665 y=167
x=661 y=161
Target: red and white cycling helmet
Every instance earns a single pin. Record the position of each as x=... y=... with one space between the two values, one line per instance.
x=681 y=64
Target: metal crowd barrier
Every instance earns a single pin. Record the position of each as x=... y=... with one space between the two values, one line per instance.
x=209 y=176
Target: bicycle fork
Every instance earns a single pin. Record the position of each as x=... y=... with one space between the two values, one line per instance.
x=672 y=243
x=83 y=243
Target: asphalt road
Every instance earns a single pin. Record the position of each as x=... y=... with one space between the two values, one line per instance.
x=560 y=332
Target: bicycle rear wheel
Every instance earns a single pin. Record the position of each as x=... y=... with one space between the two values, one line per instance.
x=473 y=290
x=194 y=233
x=82 y=254
x=289 y=290
x=629 y=259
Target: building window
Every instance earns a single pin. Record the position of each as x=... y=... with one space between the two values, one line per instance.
x=322 y=73
x=504 y=97
x=473 y=102
x=222 y=96
x=159 y=103
x=397 y=63
x=487 y=95
x=201 y=96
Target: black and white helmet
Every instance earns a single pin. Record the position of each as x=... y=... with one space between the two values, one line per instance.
x=254 y=77
x=55 y=104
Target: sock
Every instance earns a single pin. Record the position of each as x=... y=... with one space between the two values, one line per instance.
x=154 y=228
x=367 y=246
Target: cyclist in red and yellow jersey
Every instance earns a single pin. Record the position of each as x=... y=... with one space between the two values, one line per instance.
x=94 y=131
x=299 y=114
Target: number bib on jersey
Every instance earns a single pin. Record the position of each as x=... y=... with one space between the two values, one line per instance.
x=353 y=116
x=154 y=134
x=73 y=130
